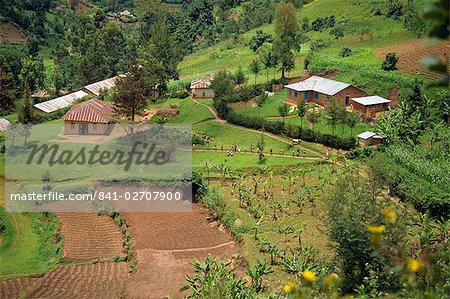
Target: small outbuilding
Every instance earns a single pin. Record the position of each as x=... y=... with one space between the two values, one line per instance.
x=4 y=124
x=92 y=117
x=369 y=138
x=370 y=106
x=201 y=88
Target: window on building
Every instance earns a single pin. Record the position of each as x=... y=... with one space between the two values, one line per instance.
x=296 y=94
x=94 y=126
x=290 y=92
x=72 y=126
x=316 y=95
x=305 y=95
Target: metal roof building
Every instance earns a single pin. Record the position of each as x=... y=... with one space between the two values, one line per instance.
x=96 y=87
x=61 y=102
x=371 y=100
x=366 y=135
x=4 y=124
x=93 y=111
x=319 y=84
x=204 y=82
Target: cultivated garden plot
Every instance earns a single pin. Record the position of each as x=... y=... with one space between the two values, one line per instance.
x=224 y=149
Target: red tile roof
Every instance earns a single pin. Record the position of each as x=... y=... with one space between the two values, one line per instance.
x=95 y=111
x=202 y=83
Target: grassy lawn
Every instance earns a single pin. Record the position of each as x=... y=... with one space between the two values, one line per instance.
x=209 y=101
x=269 y=107
x=239 y=161
x=20 y=250
x=323 y=127
x=191 y=113
x=227 y=136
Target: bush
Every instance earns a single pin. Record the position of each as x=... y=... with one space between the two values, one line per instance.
x=337 y=32
x=390 y=63
x=317 y=45
x=345 y=52
x=2 y=223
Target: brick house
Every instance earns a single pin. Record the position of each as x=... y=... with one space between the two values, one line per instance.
x=200 y=88
x=319 y=90
x=92 y=117
x=370 y=106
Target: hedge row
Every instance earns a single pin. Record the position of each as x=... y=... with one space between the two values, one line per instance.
x=280 y=128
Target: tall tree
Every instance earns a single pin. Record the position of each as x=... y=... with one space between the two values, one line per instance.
x=25 y=113
x=255 y=68
x=301 y=112
x=286 y=25
x=161 y=57
x=287 y=33
x=6 y=91
x=283 y=110
x=130 y=99
x=332 y=111
x=93 y=65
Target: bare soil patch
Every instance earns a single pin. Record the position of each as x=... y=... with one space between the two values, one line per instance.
x=18 y=287
x=11 y=34
x=99 y=280
x=411 y=54
x=166 y=244
x=88 y=236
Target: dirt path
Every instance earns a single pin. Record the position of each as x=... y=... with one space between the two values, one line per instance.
x=287 y=155
x=213 y=112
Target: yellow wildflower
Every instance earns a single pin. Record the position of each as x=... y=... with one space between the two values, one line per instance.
x=376 y=229
x=413 y=265
x=389 y=215
x=289 y=287
x=309 y=276
x=375 y=233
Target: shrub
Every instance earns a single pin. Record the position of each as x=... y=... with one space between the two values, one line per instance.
x=337 y=32
x=345 y=52
x=390 y=63
x=317 y=45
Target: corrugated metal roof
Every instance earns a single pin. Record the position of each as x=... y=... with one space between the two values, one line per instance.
x=4 y=124
x=319 y=84
x=61 y=102
x=107 y=84
x=371 y=100
x=94 y=110
x=202 y=83
x=366 y=135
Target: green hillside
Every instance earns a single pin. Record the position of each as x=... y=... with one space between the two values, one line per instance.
x=362 y=31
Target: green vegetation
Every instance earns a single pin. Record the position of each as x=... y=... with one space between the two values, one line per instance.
x=30 y=244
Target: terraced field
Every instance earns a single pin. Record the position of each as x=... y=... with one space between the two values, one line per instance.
x=166 y=244
x=411 y=54
x=88 y=236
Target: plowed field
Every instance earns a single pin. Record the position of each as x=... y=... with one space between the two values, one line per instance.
x=411 y=55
